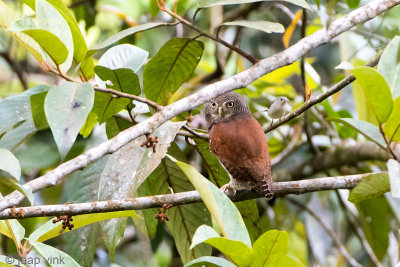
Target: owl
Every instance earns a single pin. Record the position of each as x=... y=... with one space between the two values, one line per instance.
x=239 y=142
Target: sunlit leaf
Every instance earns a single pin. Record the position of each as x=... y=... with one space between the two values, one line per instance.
x=270 y=248
x=376 y=90
x=66 y=106
x=49 y=252
x=265 y=26
x=392 y=125
x=290 y=29
x=221 y=207
x=370 y=186
x=170 y=68
x=237 y=251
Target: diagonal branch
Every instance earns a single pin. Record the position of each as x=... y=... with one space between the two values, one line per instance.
x=209 y=92
x=140 y=203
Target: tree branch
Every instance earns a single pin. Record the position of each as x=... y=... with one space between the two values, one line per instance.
x=140 y=203
x=209 y=92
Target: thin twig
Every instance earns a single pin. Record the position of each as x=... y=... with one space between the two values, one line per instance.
x=192 y=26
x=313 y=101
x=329 y=231
x=16 y=68
x=139 y=203
x=152 y=104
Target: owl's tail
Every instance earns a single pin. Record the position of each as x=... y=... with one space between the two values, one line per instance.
x=265 y=187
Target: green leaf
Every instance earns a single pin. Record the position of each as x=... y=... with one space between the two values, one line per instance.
x=6 y=260
x=80 y=47
x=237 y=251
x=9 y=163
x=122 y=34
x=389 y=65
x=13 y=138
x=376 y=90
x=392 y=125
x=38 y=114
x=66 y=106
x=221 y=207
x=13 y=229
x=367 y=129
x=89 y=124
x=210 y=3
x=364 y=111
x=115 y=125
x=50 y=43
x=265 y=26
x=123 y=80
x=209 y=261
x=48 y=18
x=270 y=248
x=394 y=175
x=353 y=3
x=370 y=186
x=58 y=257
x=373 y=214
x=170 y=68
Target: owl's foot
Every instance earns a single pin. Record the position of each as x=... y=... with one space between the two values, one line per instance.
x=231 y=186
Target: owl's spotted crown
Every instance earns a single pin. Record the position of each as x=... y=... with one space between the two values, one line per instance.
x=225 y=108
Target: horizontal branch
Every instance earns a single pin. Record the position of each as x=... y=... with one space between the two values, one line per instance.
x=209 y=92
x=140 y=203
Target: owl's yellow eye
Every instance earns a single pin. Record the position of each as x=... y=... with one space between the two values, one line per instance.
x=213 y=104
x=230 y=104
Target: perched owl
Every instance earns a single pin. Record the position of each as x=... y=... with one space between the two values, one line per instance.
x=239 y=142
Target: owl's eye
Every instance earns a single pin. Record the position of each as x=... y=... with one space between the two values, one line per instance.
x=230 y=104
x=213 y=104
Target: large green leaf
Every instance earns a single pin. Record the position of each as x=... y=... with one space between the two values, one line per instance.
x=221 y=207
x=123 y=80
x=53 y=256
x=48 y=18
x=370 y=186
x=270 y=248
x=80 y=47
x=210 y=3
x=184 y=219
x=376 y=90
x=122 y=34
x=367 y=129
x=389 y=65
x=119 y=180
x=265 y=26
x=237 y=251
x=392 y=125
x=13 y=229
x=373 y=214
x=170 y=68
x=66 y=106
x=394 y=176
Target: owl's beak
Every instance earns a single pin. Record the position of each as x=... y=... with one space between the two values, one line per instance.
x=220 y=112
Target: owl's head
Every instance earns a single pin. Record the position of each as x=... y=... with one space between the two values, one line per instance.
x=225 y=108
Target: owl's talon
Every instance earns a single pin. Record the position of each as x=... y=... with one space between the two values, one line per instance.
x=230 y=187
